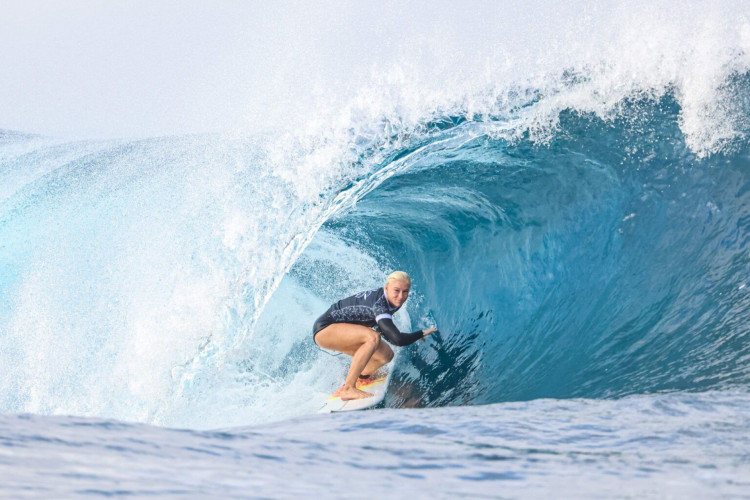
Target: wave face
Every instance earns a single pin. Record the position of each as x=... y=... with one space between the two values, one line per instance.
x=610 y=261
x=579 y=233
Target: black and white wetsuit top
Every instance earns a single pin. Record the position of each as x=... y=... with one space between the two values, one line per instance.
x=371 y=309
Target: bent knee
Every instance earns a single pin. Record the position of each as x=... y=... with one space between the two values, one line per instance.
x=372 y=337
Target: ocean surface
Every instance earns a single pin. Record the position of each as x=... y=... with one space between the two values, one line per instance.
x=578 y=233
x=677 y=445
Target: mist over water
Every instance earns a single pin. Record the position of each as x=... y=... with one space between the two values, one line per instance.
x=566 y=185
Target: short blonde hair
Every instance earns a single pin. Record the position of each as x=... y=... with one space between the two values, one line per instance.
x=398 y=276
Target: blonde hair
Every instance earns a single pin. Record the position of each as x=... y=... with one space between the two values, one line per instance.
x=398 y=276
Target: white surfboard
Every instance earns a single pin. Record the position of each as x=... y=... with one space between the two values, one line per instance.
x=377 y=387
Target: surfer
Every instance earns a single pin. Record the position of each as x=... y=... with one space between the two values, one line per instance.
x=354 y=325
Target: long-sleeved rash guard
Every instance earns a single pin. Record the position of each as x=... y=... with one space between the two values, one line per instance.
x=371 y=309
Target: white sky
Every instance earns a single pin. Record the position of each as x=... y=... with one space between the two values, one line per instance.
x=78 y=68
x=136 y=68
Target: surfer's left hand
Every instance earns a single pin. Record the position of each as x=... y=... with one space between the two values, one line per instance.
x=427 y=332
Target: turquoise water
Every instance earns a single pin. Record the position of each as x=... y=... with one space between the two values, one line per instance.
x=579 y=235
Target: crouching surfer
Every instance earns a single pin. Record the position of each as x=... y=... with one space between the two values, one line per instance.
x=348 y=327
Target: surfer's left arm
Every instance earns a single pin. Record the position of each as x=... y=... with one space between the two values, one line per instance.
x=397 y=338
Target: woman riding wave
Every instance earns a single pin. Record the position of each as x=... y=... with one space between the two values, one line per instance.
x=355 y=324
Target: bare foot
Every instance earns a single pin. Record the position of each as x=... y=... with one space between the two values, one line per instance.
x=349 y=393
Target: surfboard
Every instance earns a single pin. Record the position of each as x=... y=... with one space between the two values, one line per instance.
x=377 y=386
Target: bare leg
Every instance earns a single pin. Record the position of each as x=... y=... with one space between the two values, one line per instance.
x=360 y=343
x=382 y=356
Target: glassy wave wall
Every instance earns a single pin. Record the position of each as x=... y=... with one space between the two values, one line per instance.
x=567 y=243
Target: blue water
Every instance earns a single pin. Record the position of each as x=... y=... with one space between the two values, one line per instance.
x=581 y=244
x=676 y=445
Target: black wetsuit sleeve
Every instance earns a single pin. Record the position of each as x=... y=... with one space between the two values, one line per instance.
x=395 y=337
